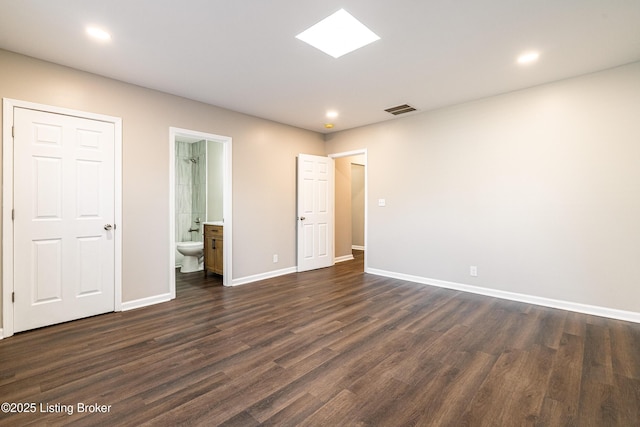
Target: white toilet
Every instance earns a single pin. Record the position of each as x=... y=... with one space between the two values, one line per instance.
x=193 y=256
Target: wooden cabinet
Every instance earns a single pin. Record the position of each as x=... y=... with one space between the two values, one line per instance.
x=213 y=244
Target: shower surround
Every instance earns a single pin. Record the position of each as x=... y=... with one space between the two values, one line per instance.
x=191 y=174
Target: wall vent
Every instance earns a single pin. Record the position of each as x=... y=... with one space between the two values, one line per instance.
x=400 y=109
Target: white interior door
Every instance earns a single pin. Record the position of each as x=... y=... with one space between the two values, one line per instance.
x=315 y=212
x=64 y=204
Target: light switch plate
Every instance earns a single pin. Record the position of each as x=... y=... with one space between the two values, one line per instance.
x=382 y=202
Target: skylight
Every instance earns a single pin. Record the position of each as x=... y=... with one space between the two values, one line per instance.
x=338 y=34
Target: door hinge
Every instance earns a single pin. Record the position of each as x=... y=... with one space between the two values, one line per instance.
x=13 y=214
x=13 y=297
x=13 y=131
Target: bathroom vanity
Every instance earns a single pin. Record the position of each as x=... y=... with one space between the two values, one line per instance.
x=213 y=241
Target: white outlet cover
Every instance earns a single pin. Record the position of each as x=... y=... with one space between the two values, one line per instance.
x=382 y=202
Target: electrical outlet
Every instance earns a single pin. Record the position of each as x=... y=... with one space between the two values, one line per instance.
x=473 y=271
x=275 y=257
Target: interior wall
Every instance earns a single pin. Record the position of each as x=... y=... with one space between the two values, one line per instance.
x=539 y=188
x=349 y=205
x=342 y=213
x=264 y=154
x=215 y=181
x=357 y=205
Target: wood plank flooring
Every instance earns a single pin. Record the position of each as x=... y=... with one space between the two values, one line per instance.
x=331 y=347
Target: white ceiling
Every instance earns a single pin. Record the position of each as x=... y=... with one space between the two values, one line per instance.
x=243 y=54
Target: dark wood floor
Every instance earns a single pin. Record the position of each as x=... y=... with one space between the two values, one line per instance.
x=332 y=347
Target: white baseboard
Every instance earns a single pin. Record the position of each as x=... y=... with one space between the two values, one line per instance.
x=1 y=334
x=344 y=258
x=357 y=248
x=629 y=316
x=263 y=276
x=144 y=302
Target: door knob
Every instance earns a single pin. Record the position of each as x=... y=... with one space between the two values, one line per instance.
x=108 y=227
x=302 y=218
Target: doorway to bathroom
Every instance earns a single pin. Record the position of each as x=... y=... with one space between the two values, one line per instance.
x=199 y=196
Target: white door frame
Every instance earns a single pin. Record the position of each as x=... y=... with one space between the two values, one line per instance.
x=8 y=106
x=362 y=151
x=226 y=201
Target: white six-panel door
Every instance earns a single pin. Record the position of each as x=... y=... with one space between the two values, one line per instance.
x=315 y=212
x=64 y=208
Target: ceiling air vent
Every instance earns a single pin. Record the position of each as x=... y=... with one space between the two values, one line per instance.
x=400 y=109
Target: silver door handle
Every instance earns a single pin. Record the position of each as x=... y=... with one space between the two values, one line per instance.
x=108 y=227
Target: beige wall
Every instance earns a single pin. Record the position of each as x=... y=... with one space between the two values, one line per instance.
x=349 y=209
x=357 y=204
x=264 y=164
x=343 y=207
x=540 y=189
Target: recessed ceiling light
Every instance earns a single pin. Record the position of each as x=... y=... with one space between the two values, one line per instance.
x=98 y=33
x=332 y=114
x=528 y=58
x=338 y=34
x=328 y=125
